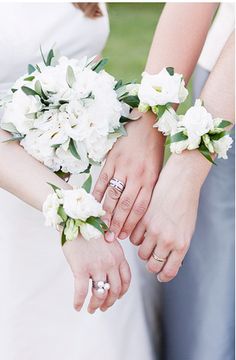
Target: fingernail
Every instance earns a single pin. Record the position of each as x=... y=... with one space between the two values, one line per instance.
x=110 y=236
x=158 y=278
x=103 y=309
x=107 y=222
x=123 y=236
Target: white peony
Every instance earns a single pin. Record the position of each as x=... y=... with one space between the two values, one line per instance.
x=89 y=232
x=68 y=162
x=222 y=145
x=50 y=208
x=78 y=204
x=98 y=146
x=168 y=122
x=162 y=88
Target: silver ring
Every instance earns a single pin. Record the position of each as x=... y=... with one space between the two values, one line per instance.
x=117 y=184
x=101 y=286
x=157 y=258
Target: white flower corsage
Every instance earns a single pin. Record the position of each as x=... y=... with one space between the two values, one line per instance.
x=157 y=92
x=197 y=129
x=74 y=211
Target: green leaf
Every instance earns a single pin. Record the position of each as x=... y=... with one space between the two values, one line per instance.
x=31 y=69
x=132 y=101
x=41 y=52
x=62 y=214
x=50 y=57
x=161 y=110
x=54 y=186
x=87 y=171
x=95 y=223
x=38 y=68
x=70 y=76
x=100 y=65
x=63 y=236
x=14 y=138
x=29 y=91
x=216 y=137
x=180 y=136
x=13 y=90
x=170 y=70
x=224 y=123
x=73 y=149
x=29 y=78
x=118 y=85
x=103 y=225
x=9 y=127
x=87 y=184
x=39 y=90
x=205 y=152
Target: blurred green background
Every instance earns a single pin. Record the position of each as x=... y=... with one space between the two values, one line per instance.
x=132 y=27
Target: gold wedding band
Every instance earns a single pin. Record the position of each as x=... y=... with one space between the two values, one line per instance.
x=157 y=258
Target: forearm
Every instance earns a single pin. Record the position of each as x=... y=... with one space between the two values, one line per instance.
x=23 y=176
x=180 y=36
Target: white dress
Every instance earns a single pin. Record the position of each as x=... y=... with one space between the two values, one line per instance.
x=37 y=319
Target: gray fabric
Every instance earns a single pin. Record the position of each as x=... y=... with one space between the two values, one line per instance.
x=198 y=306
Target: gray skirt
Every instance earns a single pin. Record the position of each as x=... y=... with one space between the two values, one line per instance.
x=198 y=306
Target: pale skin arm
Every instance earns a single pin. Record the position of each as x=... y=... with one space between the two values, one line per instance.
x=177 y=42
x=26 y=178
x=170 y=220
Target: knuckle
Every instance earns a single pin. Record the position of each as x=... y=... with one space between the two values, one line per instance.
x=98 y=193
x=110 y=262
x=125 y=204
x=104 y=178
x=152 y=267
x=116 y=224
x=154 y=231
x=182 y=247
x=113 y=193
x=142 y=254
x=140 y=208
x=167 y=242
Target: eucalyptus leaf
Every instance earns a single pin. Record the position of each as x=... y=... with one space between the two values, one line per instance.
x=10 y=127
x=41 y=52
x=87 y=171
x=87 y=184
x=39 y=90
x=13 y=90
x=73 y=149
x=31 y=69
x=118 y=85
x=70 y=76
x=29 y=91
x=14 y=138
x=50 y=57
x=161 y=110
x=100 y=65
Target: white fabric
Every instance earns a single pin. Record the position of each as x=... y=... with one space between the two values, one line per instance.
x=219 y=32
x=37 y=319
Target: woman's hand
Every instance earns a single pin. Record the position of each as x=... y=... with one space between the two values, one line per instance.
x=167 y=228
x=98 y=260
x=90 y=10
x=135 y=160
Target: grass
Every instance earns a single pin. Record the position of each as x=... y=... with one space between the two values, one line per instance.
x=132 y=29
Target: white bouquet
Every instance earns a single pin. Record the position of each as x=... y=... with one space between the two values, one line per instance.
x=68 y=113
x=75 y=211
x=197 y=129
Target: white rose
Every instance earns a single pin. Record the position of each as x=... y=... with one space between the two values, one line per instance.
x=78 y=204
x=89 y=232
x=50 y=208
x=168 y=122
x=178 y=146
x=162 y=88
x=19 y=111
x=222 y=145
x=197 y=121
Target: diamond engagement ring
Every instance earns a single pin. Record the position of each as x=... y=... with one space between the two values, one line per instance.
x=101 y=286
x=157 y=258
x=117 y=184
